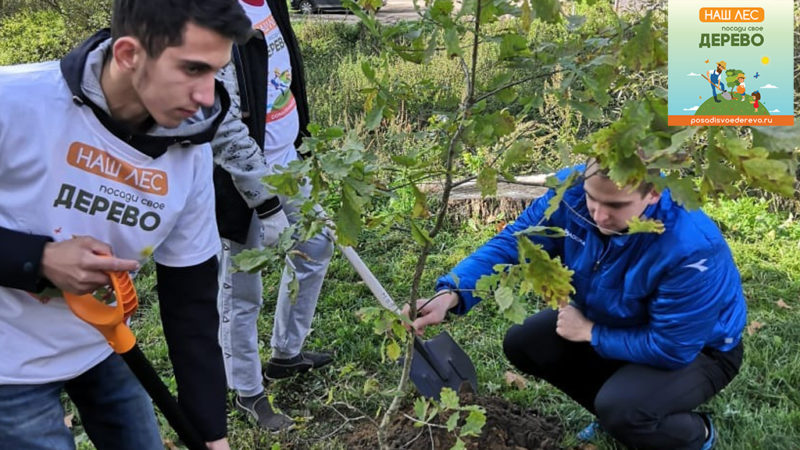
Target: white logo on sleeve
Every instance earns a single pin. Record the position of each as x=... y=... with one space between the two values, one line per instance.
x=698 y=265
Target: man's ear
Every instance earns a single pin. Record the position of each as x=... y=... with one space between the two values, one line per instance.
x=653 y=197
x=127 y=51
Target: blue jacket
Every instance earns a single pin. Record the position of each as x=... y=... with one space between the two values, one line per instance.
x=654 y=299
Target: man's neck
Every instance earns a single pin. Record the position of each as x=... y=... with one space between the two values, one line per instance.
x=123 y=103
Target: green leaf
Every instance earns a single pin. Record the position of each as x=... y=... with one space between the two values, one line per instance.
x=348 y=217
x=452 y=422
x=588 y=110
x=371 y=385
x=770 y=174
x=459 y=445
x=441 y=10
x=368 y=71
x=487 y=181
x=420 y=408
x=555 y=200
x=544 y=275
x=538 y=230
x=637 y=225
x=547 y=10
x=294 y=287
x=507 y=95
x=420 y=235
x=405 y=161
x=448 y=398
x=451 y=42
x=504 y=296
x=784 y=139
x=517 y=153
x=393 y=350
x=513 y=46
x=420 y=208
x=374 y=117
x=516 y=313
x=682 y=190
x=641 y=51
x=486 y=284
x=474 y=423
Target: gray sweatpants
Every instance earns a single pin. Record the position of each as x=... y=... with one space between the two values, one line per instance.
x=239 y=303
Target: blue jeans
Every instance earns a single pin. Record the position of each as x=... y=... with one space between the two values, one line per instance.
x=115 y=411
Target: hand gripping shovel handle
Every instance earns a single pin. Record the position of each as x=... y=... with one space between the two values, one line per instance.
x=111 y=322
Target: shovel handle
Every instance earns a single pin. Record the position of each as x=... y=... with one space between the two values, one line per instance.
x=110 y=320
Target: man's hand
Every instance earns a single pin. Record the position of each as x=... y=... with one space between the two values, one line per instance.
x=572 y=325
x=432 y=313
x=79 y=265
x=271 y=228
x=219 y=444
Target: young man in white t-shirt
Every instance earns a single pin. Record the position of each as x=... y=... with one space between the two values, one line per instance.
x=106 y=153
x=275 y=110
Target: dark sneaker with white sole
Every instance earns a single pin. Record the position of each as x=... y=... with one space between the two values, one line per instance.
x=258 y=408
x=278 y=368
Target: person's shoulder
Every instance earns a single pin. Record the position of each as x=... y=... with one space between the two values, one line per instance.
x=27 y=82
x=687 y=231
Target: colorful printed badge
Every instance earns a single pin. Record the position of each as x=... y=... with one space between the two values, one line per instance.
x=731 y=62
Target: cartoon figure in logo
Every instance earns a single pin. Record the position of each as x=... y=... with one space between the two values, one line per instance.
x=740 y=87
x=713 y=76
x=756 y=97
x=281 y=81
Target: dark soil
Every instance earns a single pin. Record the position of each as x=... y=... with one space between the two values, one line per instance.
x=508 y=426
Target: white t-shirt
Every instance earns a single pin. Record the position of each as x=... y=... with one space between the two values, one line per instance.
x=283 y=123
x=64 y=174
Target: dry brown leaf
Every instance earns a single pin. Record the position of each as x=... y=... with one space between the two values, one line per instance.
x=513 y=379
x=753 y=327
x=782 y=304
x=68 y=420
x=170 y=445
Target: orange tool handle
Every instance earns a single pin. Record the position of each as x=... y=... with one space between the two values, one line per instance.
x=109 y=320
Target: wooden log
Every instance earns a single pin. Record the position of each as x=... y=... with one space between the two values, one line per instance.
x=510 y=200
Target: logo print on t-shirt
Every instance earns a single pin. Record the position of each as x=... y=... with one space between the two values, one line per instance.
x=99 y=162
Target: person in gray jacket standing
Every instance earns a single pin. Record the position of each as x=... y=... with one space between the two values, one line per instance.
x=267 y=118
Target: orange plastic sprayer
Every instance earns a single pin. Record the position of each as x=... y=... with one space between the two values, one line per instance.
x=110 y=320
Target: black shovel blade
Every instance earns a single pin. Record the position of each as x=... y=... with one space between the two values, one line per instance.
x=440 y=363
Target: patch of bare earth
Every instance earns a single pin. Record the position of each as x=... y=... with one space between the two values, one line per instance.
x=508 y=427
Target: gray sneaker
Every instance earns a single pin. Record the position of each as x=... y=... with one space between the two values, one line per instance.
x=258 y=408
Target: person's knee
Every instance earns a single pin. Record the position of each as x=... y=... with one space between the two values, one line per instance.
x=516 y=346
x=626 y=422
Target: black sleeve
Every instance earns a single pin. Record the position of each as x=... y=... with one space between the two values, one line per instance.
x=188 y=300
x=20 y=263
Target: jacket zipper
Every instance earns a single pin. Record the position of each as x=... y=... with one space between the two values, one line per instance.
x=602 y=255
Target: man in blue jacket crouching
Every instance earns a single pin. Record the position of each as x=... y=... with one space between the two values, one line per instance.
x=654 y=328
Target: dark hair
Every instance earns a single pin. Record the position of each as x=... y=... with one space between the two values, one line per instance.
x=159 y=24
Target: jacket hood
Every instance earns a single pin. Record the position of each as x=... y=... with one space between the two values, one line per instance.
x=81 y=70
